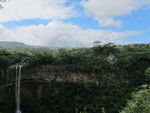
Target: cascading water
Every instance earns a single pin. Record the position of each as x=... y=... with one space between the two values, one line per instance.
x=17 y=88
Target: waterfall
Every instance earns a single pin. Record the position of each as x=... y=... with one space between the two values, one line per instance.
x=17 y=88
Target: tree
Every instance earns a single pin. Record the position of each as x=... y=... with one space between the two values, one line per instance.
x=96 y=43
x=140 y=102
x=147 y=76
x=5 y=59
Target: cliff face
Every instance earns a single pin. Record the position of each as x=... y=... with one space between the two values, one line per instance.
x=35 y=79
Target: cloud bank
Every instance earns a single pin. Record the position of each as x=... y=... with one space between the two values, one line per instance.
x=15 y=10
x=58 y=34
x=104 y=11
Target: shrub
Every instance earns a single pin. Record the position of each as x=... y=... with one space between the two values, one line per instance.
x=140 y=102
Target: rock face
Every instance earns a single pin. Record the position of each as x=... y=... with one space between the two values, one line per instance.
x=34 y=79
x=47 y=73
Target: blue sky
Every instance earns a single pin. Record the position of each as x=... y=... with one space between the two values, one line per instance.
x=72 y=23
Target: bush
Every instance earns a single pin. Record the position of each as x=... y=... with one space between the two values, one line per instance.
x=140 y=102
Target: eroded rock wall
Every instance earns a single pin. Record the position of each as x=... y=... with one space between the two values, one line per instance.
x=34 y=79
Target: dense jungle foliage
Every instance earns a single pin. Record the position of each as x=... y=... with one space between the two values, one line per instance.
x=115 y=72
x=140 y=102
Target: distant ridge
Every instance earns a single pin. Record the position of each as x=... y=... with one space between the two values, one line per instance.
x=13 y=44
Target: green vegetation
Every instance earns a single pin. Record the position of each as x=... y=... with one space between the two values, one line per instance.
x=11 y=44
x=140 y=102
x=115 y=72
x=147 y=76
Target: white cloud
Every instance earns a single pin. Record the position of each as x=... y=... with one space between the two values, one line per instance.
x=58 y=34
x=106 y=10
x=110 y=22
x=15 y=10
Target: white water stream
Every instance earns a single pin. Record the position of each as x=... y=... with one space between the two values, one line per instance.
x=17 y=88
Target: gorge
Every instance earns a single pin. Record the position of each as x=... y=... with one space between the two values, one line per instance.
x=88 y=80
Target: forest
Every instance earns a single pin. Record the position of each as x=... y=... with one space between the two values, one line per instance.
x=118 y=79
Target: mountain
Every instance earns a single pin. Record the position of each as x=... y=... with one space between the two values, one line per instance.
x=6 y=44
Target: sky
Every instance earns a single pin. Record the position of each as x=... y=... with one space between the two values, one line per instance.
x=75 y=23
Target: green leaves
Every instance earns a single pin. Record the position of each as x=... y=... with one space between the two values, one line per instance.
x=140 y=102
x=147 y=75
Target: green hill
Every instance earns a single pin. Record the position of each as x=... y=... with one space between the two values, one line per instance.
x=7 y=44
x=4 y=44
